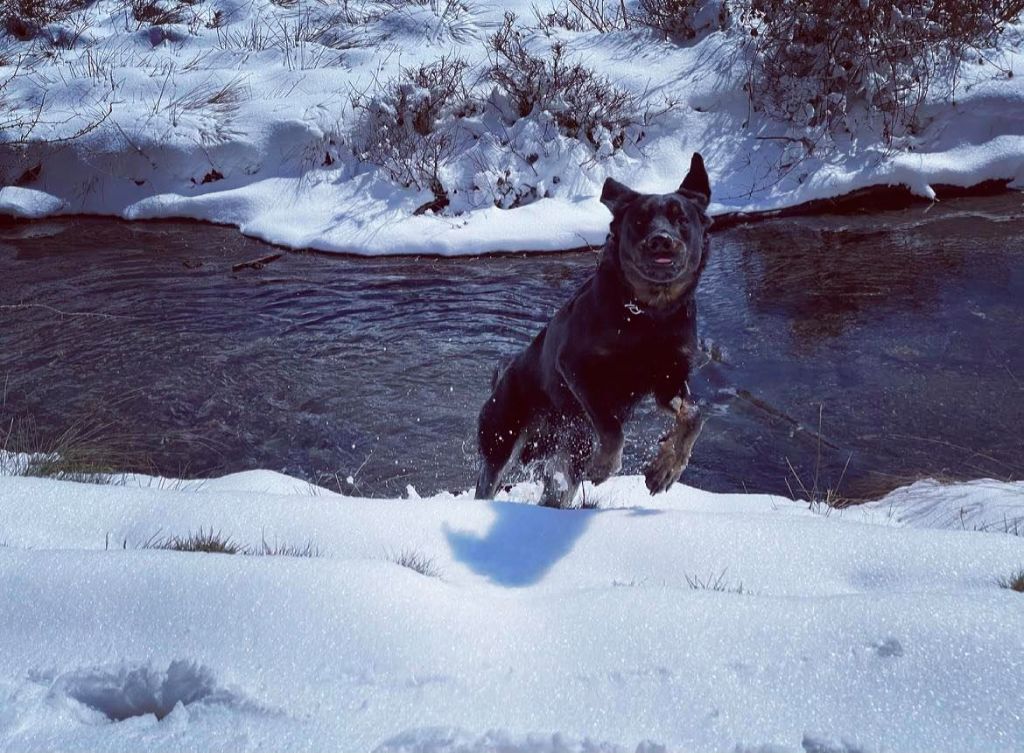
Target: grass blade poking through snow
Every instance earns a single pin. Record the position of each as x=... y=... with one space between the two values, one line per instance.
x=215 y=542
x=416 y=561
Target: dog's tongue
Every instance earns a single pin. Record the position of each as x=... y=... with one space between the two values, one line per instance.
x=662 y=259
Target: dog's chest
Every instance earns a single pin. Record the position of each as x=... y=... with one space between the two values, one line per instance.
x=636 y=333
x=631 y=350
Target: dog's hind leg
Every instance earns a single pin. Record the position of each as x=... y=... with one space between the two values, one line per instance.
x=560 y=483
x=502 y=420
x=564 y=470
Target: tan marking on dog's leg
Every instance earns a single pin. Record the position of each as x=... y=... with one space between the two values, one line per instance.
x=675 y=447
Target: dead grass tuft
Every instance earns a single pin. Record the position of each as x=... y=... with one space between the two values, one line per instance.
x=715 y=583
x=1014 y=582
x=215 y=542
x=416 y=561
x=87 y=451
x=210 y=542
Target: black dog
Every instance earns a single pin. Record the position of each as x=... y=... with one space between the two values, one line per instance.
x=630 y=331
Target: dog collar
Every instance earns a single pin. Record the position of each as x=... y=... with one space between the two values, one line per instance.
x=632 y=308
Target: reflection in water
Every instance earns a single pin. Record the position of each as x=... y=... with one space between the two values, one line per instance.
x=890 y=346
x=826 y=280
x=901 y=329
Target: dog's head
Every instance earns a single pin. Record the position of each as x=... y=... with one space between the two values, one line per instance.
x=659 y=241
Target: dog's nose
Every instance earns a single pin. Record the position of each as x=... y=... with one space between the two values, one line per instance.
x=660 y=243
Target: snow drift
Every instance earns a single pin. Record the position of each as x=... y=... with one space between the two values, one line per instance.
x=690 y=621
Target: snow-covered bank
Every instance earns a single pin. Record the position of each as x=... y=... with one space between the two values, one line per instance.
x=241 y=114
x=544 y=630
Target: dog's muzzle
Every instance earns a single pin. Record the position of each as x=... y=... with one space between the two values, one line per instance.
x=663 y=250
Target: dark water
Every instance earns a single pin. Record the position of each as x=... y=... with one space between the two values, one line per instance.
x=890 y=345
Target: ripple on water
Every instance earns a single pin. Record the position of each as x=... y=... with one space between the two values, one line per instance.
x=903 y=329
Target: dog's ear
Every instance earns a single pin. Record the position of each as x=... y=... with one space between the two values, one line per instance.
x=695 y=185
x=614 y=195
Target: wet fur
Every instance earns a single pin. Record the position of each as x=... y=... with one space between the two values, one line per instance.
x=563 y=401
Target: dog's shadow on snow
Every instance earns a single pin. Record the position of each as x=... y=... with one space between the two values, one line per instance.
x=524 y=542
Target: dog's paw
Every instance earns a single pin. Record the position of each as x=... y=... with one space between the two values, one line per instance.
x=665 y=469
x=604 y=465
x=688 y=413
x=675 y=448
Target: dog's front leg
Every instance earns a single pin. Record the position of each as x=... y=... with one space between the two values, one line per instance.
x=675 y=447
x=610 y=440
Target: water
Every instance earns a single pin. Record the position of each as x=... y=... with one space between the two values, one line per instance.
x=864 y=350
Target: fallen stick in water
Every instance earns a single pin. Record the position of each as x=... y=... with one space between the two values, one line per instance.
x=771 y=410
x=256 y=263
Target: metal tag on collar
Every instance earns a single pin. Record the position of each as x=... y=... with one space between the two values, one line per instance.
x=634 y=309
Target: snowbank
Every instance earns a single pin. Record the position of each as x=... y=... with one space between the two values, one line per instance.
x=542 y=630
x=981 y=505
x=241 y=114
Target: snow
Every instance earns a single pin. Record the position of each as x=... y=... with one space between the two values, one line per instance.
x=982 y=505
x=871 y=629
x=186 y=120
x=687 y=621
x=28 y=204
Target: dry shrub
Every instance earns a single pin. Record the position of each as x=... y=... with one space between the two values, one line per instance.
x=815 y=59
x=966 y=24
x=583 y=104
x=560 y=17
x=411 y=125
x=424 y=126
x=24 y=19
x=678 y=20
x=156 y=12
x=600 y=15
x=683 y=20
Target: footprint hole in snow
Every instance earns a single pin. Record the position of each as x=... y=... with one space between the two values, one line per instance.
x=888 y=648
x=130 y=691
